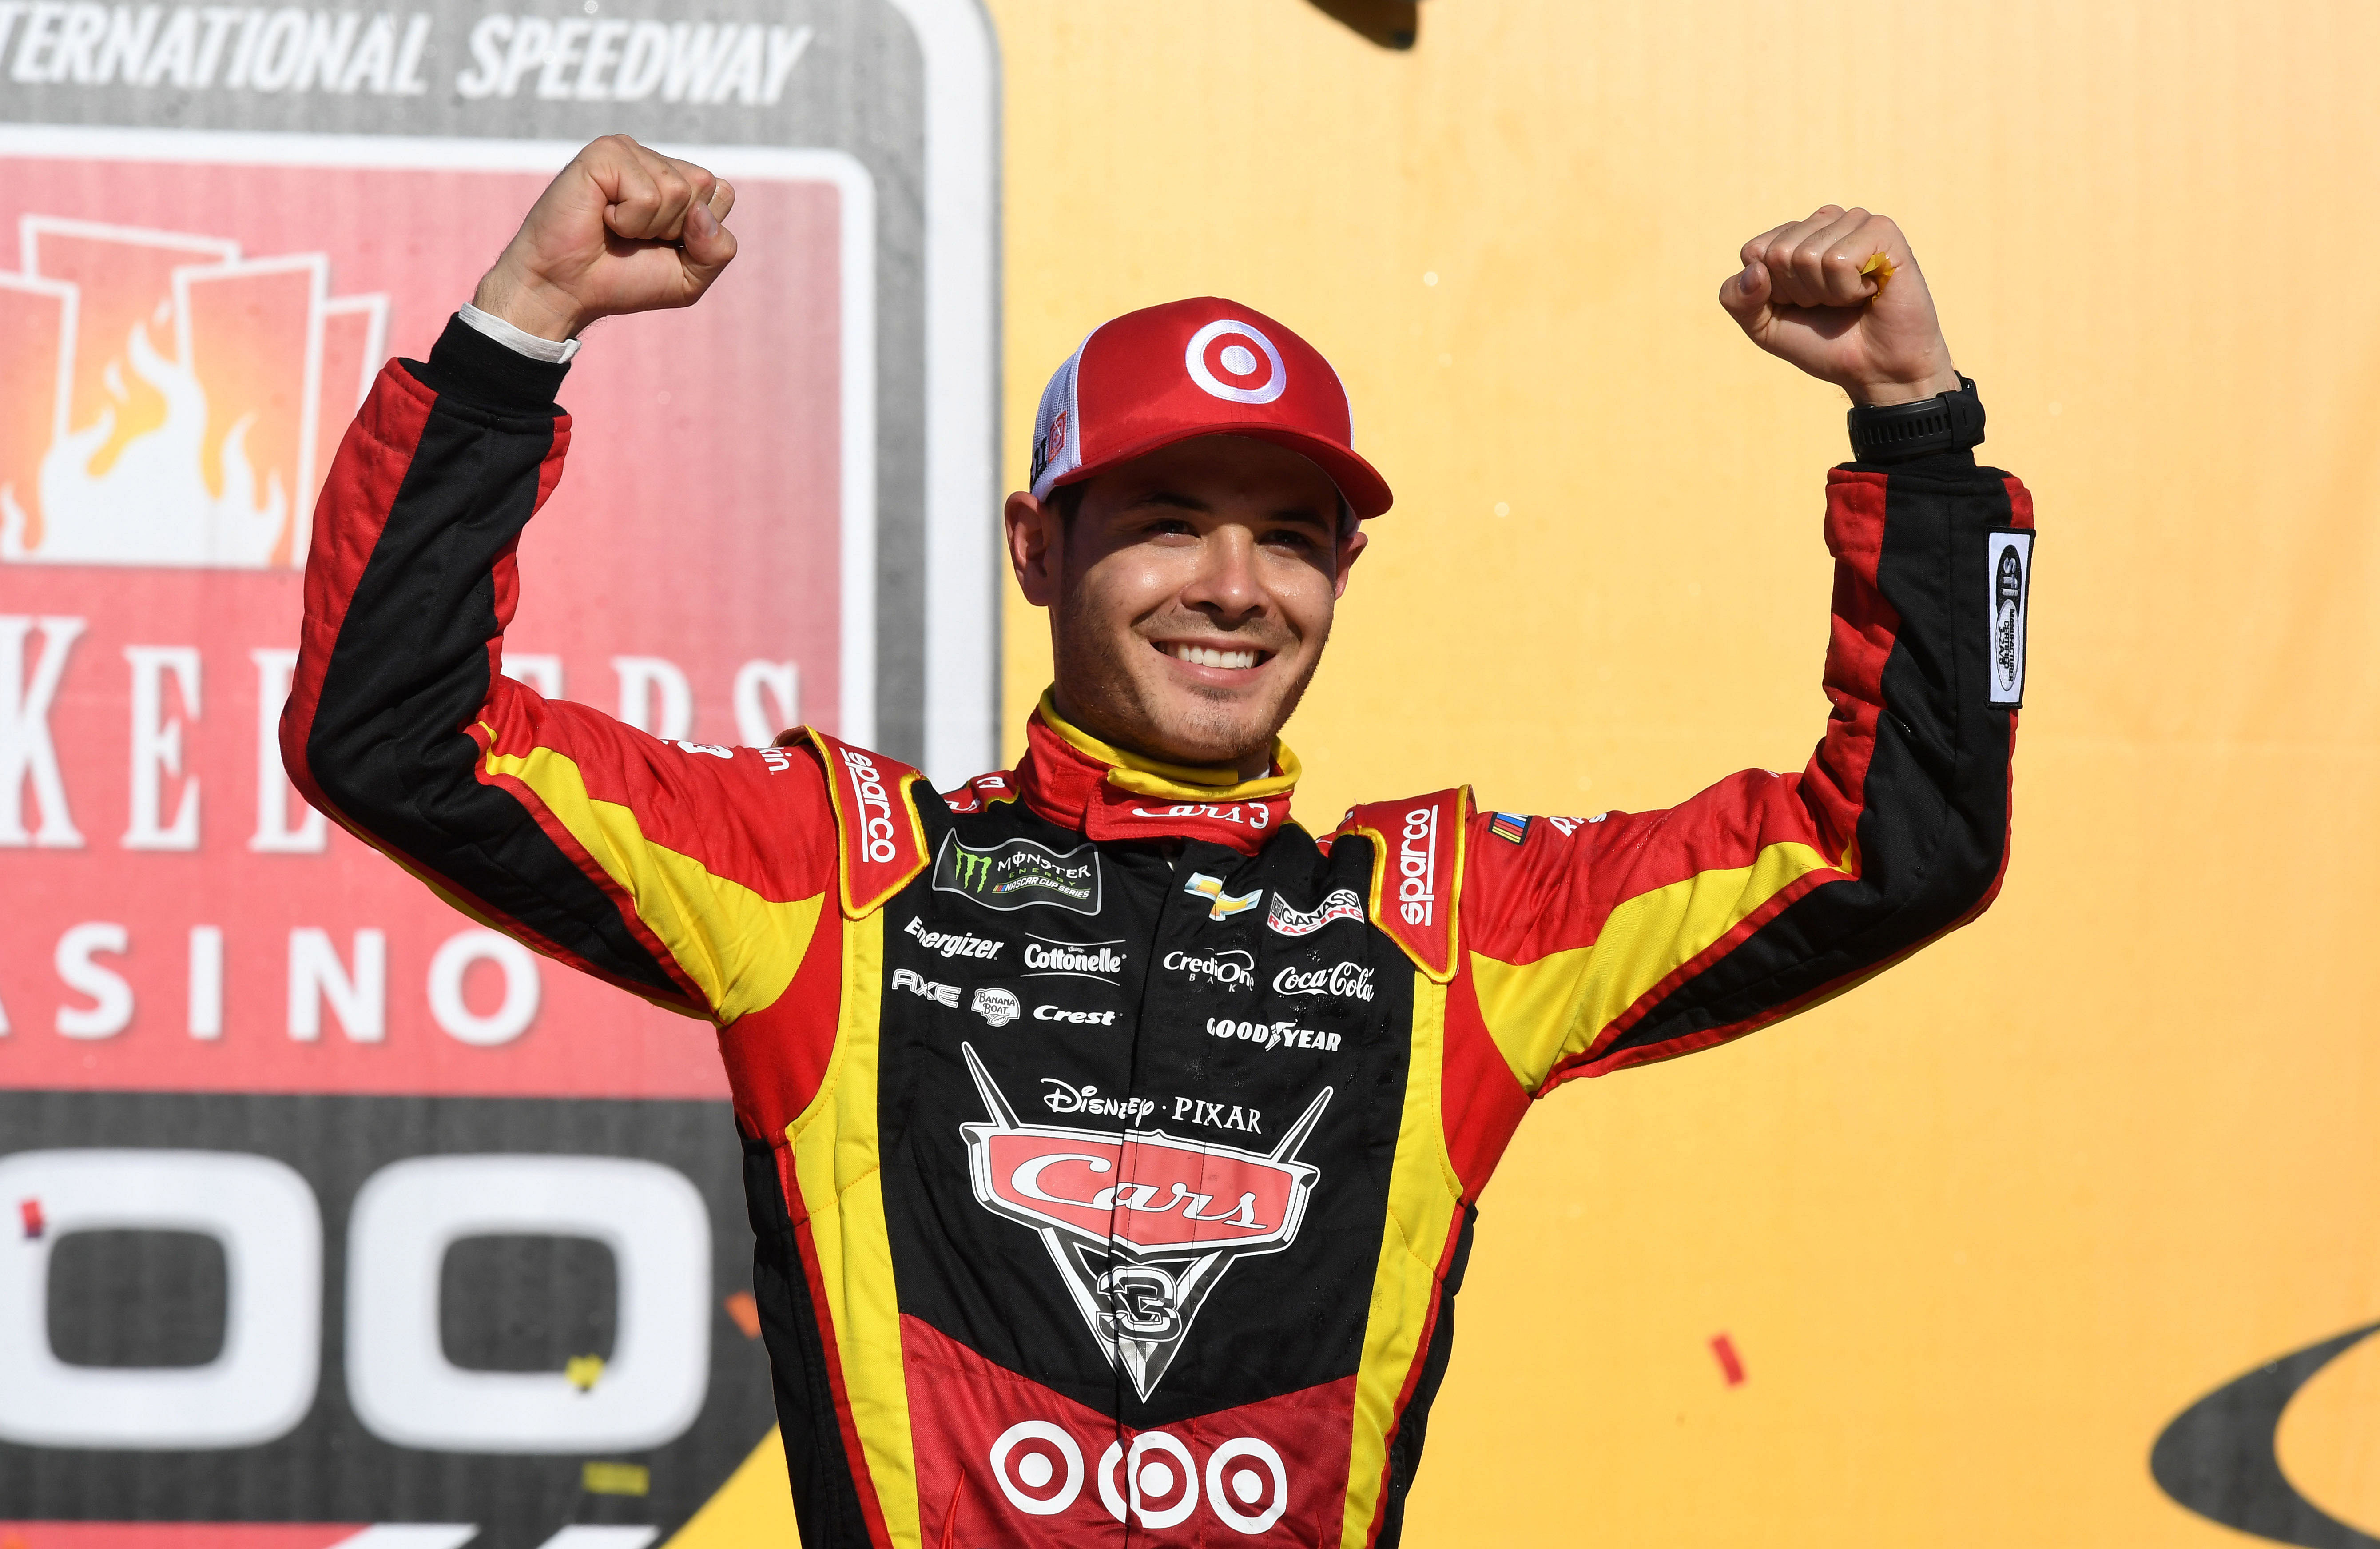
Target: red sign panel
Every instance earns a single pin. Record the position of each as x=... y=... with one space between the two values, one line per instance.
x=184 y=346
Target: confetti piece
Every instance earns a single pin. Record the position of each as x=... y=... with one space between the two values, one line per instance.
x=1730 y=1364
x=746 y=1314
x=1881 y=267
x=616 y=1479
x=584 y=1372
x=32 y=1211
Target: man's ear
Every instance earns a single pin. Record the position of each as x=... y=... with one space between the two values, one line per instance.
x=1351 y=544
x=1036 y=539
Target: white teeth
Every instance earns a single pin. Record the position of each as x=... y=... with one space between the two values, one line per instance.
x=1203 y=656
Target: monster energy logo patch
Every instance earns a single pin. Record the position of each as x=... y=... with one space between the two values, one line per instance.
x=1018 y=873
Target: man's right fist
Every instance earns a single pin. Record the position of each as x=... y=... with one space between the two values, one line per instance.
x=622 y=229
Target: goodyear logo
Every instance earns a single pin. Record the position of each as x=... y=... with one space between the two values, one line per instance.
x=1019 y=874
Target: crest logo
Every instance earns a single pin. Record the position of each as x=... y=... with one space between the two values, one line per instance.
x=165 y=400
x=1141 y=1225
x=1221 y=905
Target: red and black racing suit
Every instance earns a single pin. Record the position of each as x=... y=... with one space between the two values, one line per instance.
x=1113 y=1143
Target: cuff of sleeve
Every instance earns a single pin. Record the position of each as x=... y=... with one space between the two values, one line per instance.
x=467 y=365
x=520 y=341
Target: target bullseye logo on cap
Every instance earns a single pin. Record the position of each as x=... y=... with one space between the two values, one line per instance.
x=1220 y=361
x=1201 y=367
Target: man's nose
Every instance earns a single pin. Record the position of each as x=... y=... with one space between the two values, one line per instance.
x=1226 y=583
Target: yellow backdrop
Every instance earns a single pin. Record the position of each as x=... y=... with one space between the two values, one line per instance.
x=1980 y=1229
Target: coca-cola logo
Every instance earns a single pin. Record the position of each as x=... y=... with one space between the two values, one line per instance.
x=1142 y=1225
x=1351 y=981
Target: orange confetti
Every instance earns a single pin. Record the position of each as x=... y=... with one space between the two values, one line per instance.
x=1731 y=1365
x=746 y=1314
x=1881 y=267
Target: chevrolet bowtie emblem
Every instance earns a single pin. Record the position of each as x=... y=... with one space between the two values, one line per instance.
x=1221 y=905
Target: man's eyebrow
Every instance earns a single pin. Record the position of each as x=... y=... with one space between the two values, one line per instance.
x=1174 y=498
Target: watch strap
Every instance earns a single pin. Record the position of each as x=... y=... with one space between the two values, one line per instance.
x=1898 y=431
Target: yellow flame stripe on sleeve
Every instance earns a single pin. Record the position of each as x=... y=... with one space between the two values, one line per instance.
x=1544 y=1012
x=739 y=948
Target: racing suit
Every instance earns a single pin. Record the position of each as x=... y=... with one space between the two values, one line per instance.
x=1112 y=1143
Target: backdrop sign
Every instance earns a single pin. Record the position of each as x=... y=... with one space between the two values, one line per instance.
x=327 y=1208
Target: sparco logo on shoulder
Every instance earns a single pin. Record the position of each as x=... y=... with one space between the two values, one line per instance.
x=1352 y=980
x=1141 y=1225
x=1417 y=867
x=875 y=814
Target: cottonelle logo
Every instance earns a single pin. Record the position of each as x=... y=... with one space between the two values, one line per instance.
x=1018 y=874
x=174 y=402
x=1096 y=959
x=1141 y=1225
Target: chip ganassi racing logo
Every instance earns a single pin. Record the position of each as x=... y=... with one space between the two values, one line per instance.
x=1140 y=1224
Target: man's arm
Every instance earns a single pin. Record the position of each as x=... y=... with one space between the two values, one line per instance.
x=1636 y=937
x=693 y=877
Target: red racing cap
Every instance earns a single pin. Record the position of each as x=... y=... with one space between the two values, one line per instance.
x=1201 y=367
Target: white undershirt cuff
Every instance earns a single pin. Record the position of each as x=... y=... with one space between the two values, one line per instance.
x=552 y=352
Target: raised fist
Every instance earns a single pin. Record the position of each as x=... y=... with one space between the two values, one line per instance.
x=621 y=229
x=1841 y=296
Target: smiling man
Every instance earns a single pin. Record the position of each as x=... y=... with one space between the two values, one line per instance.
x=1113 y=1144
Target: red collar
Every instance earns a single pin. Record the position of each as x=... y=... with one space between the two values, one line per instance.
x=1080 y=783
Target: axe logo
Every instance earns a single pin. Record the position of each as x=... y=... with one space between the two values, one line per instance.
x=1141 y=1225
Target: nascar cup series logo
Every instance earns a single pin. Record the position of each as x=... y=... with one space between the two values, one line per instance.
x=1230 y=360
x=1141 y=1225
x=165 y=399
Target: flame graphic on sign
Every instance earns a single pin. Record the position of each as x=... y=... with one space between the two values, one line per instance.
x=166 y=401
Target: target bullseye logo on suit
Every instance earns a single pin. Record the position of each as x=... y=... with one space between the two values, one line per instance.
x=1041 y=1467
x=1140 y=1224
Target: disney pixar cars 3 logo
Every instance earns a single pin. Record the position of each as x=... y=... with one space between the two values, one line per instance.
x=1141 y=1225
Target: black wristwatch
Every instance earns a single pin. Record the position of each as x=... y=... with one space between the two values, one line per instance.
x=1898 y=431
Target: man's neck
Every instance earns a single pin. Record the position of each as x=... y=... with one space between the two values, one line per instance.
x=1254 y=765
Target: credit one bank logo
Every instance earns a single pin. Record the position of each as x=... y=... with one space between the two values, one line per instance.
x=165 y=399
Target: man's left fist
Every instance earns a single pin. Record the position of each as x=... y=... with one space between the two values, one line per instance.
x=1841 y=296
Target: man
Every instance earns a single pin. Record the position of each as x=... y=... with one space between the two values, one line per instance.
x=1112 y=1144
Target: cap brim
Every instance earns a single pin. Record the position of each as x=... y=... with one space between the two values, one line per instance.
x=1359 y=484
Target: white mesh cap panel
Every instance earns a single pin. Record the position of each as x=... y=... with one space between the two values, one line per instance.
x=1059 y=420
